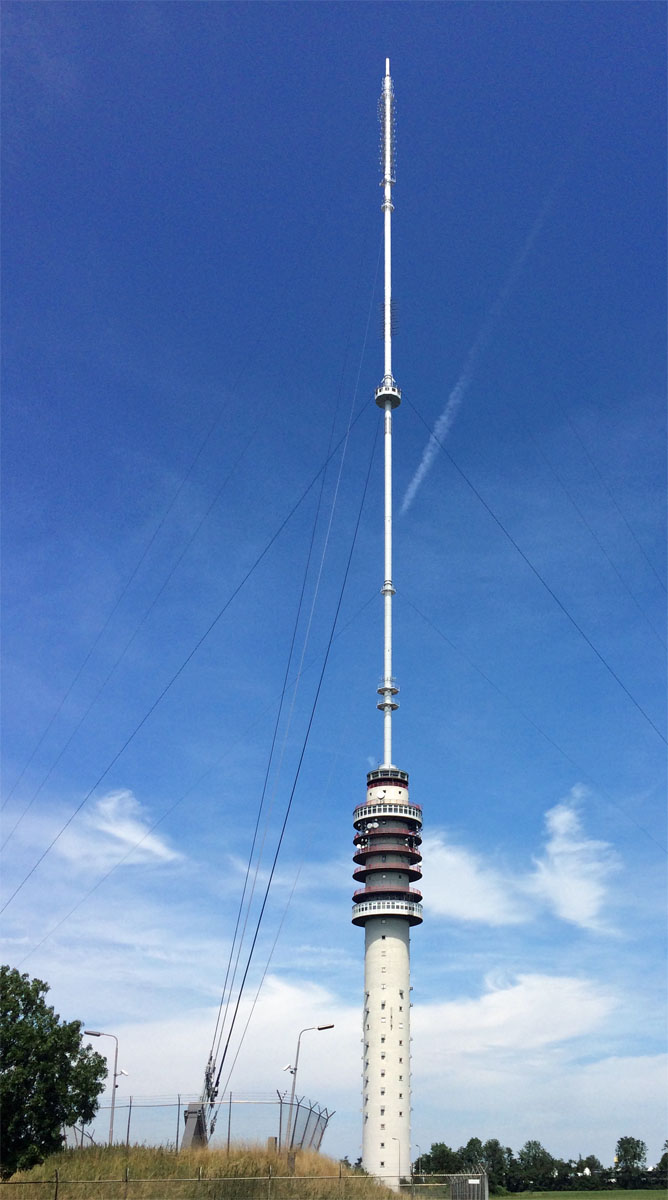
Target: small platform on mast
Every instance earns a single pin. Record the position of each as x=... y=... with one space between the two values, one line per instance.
x=388 y=391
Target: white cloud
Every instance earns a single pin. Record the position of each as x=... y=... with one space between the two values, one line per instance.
x=532 y=1011
x=115 y=825
x=570 y=876
x=462 y=885
x=567 y=879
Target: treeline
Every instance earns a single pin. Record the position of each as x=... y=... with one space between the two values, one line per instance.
x=534 y=1169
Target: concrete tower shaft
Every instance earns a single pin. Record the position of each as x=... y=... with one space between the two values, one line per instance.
x=388 y=862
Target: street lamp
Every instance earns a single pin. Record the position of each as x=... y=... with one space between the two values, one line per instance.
x=97 y=1033
x=395 y=1139
x=290 y=1130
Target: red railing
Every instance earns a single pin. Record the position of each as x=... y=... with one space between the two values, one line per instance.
x=395 y=825
x=379 y=847
x=413 y=871
x=369 y=893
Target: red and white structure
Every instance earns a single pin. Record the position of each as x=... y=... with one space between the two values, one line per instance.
x=387 y=837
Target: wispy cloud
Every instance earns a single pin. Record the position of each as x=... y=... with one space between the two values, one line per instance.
x=528 y=1012
x=568 y=877
x=116 y=823
x=480 y=343
x=464 y=886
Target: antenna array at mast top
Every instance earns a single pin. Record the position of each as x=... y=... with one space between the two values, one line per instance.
x=387 y=127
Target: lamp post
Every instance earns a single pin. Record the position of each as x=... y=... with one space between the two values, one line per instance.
x=290 y=1130
x=97 y=1033
x=395 y=1139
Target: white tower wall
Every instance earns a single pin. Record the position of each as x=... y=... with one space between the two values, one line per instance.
x=386 y=1044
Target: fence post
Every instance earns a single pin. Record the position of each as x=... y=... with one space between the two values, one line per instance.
x=280 y=1120
x=55 y=1190
x=229 y=1122
x=178 y=1123
x=127 y=1136
x=127 y=1179
x=269 y=1183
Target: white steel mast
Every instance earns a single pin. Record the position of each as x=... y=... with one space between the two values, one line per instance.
x=388 y=396
x=387 y=830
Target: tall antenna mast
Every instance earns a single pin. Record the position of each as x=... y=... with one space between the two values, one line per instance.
x=388 y=831
x=388 y=396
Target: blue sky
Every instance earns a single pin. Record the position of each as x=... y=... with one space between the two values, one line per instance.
x=191 y=316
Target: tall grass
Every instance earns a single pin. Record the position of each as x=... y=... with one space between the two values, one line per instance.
x=248 y=1172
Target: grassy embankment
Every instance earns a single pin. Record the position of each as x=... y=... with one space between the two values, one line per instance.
x=247 y=1173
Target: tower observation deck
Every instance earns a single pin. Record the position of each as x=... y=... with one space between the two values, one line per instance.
x=387 y=828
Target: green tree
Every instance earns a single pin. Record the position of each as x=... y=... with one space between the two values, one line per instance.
x=662 y=1164
x=441 y=1160
x=536 y=1167
x=589 y=1173
x=47 y=1079
x=470 y=1155
x=495 y=1160
x=630 y=1160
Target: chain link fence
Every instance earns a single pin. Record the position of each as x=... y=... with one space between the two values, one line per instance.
x=239 y=1117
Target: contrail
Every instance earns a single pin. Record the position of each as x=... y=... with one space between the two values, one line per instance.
x=447 y=417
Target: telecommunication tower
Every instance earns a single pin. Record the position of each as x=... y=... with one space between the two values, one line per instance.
x=387 y=825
